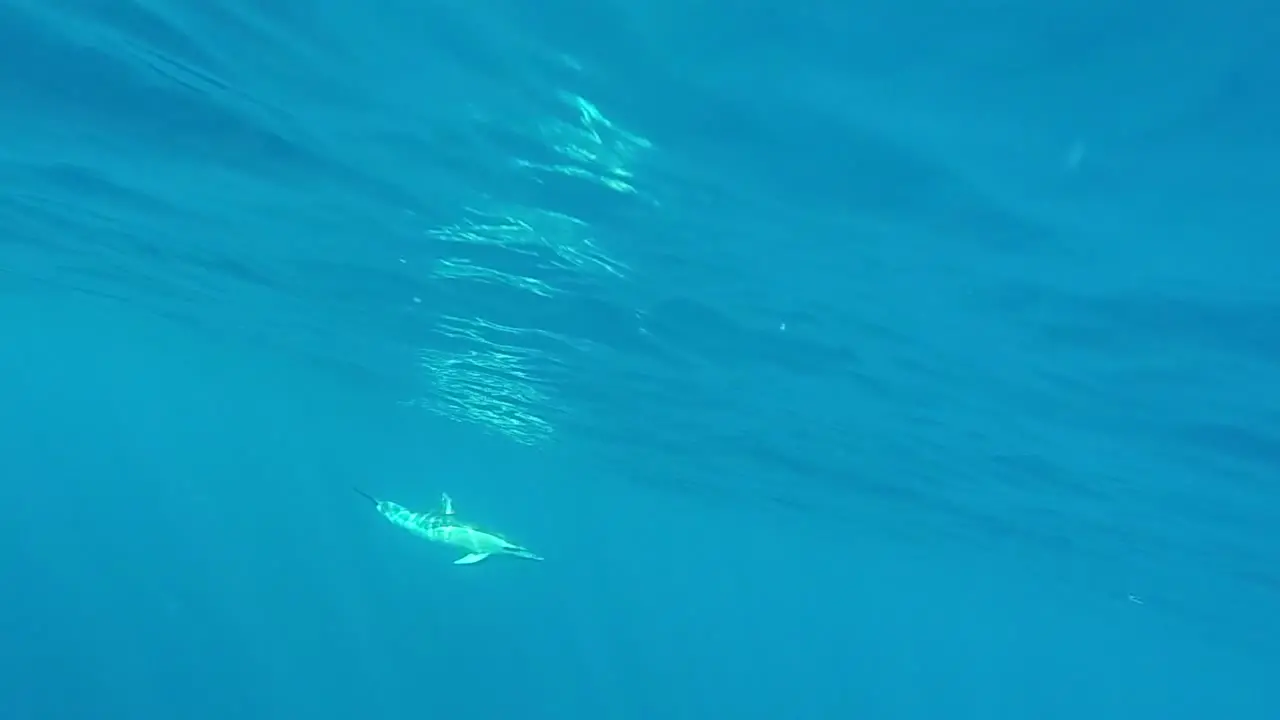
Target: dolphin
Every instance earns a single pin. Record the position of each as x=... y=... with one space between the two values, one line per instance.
x=444 y=527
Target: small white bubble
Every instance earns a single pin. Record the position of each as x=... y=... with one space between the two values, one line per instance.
x=782 y=326
x=1075 y=155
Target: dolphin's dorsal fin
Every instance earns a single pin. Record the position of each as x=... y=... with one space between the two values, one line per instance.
x=470 y=559
x=449 y=516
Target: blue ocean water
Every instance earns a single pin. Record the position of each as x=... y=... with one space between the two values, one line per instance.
x=876 y=360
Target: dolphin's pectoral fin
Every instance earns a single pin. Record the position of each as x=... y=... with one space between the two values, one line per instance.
x=470 y=559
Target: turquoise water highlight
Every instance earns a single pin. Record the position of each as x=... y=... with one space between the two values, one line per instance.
x=872 y=361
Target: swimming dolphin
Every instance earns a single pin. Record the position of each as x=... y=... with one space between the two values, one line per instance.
x=444 y=527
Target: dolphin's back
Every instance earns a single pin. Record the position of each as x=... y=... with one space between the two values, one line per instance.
x=420 y=524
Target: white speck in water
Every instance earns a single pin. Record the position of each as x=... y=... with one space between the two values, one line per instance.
x=1075 y=155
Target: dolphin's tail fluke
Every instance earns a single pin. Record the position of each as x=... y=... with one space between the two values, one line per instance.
x=521 y=552
x=366 y=495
